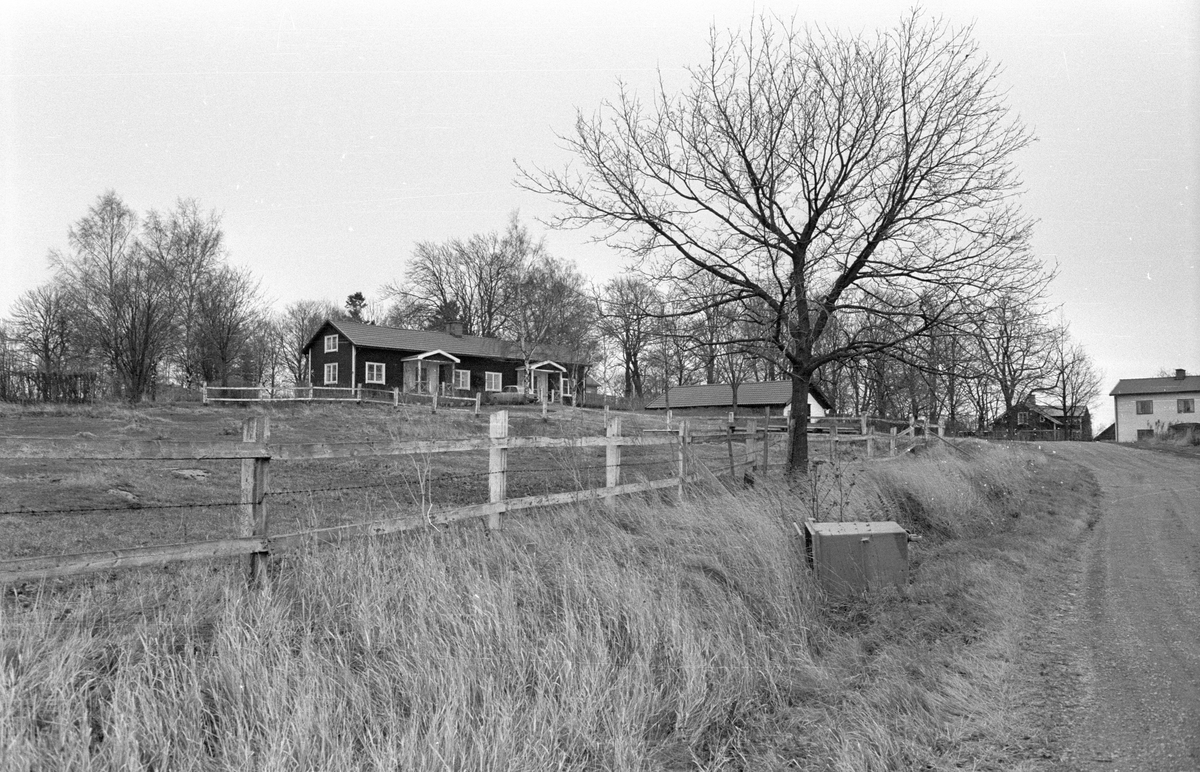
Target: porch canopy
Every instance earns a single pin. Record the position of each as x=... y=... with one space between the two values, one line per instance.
x=437 y=356
x=545 y=367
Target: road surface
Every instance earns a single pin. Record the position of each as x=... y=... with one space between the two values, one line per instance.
x=1131 y=631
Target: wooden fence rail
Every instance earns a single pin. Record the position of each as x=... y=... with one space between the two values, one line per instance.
x=256 y=453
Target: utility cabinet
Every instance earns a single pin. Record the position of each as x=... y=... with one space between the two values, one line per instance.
x=849 y=558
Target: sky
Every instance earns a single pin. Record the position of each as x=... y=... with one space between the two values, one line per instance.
x=331 y=138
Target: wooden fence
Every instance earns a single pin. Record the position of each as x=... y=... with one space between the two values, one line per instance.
x=358 y=394
x=256 y=453
x=748 y=449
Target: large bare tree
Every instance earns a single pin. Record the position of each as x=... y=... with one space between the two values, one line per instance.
x=817 y=174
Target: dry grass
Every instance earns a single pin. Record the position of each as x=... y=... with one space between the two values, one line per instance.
x=644 y=638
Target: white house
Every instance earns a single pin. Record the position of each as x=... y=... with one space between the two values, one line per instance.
x=1146 y=405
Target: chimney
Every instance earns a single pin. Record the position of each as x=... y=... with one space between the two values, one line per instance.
x=455 y=329
x=1031 y=400
x=1180 y=374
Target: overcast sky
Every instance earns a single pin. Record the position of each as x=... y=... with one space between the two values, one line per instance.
x=333 y=139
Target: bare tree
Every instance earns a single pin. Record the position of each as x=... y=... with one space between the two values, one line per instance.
x=1075 y=380
x=43 y=325
x=298 y=322
x=1014 y=345
x=477 y=276
x=122 y=291
x=191 y=242
x=627 y=314
x=229 y=316
x=818 y=174
x=550 y=308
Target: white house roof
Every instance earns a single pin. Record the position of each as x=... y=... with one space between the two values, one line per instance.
x=1169 y=385
x=432 y=355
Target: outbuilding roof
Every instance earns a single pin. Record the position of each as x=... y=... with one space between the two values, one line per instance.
x=721 y=395
x=398 y=339
x=1169 y=385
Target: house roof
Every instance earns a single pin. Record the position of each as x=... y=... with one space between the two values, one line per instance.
x=721 y=395
x=1054 y=414
x=1170 y=385
x=397 y=339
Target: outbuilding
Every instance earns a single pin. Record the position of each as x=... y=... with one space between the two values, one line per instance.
x=753 y=395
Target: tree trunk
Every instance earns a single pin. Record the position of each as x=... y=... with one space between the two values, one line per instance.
x=798 y=464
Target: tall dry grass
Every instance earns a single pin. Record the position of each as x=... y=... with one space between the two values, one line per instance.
x=648 y=637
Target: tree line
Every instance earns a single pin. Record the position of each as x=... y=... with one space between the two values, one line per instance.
x=837 y=209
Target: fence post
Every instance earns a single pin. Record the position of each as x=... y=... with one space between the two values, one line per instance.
x=752 y=445
x=925 y=430
x=395 y=396
x=766 y=468
x=942 y=428
x=870 y=442
x=729 y=445
x=833 y=432
x=254 y=489
x=204 y=394
x=498 y=465
x=668 y=418
x=612 y=459
x=478 y=400
x=892 y=443
x=863 y=424
x=435 y=396
x=544 y=406
x=684 y=439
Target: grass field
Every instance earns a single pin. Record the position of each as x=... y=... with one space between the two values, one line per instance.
x=649 y=637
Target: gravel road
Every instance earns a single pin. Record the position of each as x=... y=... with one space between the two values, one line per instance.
x=1132 y=627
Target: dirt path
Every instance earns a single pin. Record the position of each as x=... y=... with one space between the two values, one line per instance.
x=1123 y=655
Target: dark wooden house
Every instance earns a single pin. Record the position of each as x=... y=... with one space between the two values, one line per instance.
x=1031 y=421
x=346 y=354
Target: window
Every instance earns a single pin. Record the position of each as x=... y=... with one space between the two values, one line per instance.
x=1185 y=406
x=1145 y=407
x=492 y=381
x=331 y=342
x=462 y=379
x=331 y=373
x=375 y=372
x=566 y=386
x=1145 y=434
x=1022 y=419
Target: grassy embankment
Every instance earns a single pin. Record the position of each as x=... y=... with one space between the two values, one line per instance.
x=649 y=637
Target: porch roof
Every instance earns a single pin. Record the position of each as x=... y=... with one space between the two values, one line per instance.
x=545 y=367
x=437 y=355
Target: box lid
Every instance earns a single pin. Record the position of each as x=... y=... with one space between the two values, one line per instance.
x=855 y=528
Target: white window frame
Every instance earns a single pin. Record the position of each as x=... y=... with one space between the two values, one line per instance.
x=565 y=382
x=331 y=373
x=493 y=381
x=462 y=379
x=1022 y=418
x=331 y=343
x=382 y=372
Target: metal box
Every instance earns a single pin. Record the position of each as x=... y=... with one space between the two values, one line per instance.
x=849 y=558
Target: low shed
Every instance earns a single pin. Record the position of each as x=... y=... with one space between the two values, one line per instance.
x=756 y=395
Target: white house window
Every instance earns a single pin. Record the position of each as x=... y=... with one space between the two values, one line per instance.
x=1145 y=407
x=1186 y=405
x=566 y=386
x=462 y=379
x=331 y=342
x=375 y=372
x=331 y=373
x=492 y=382
x=1022 y=419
